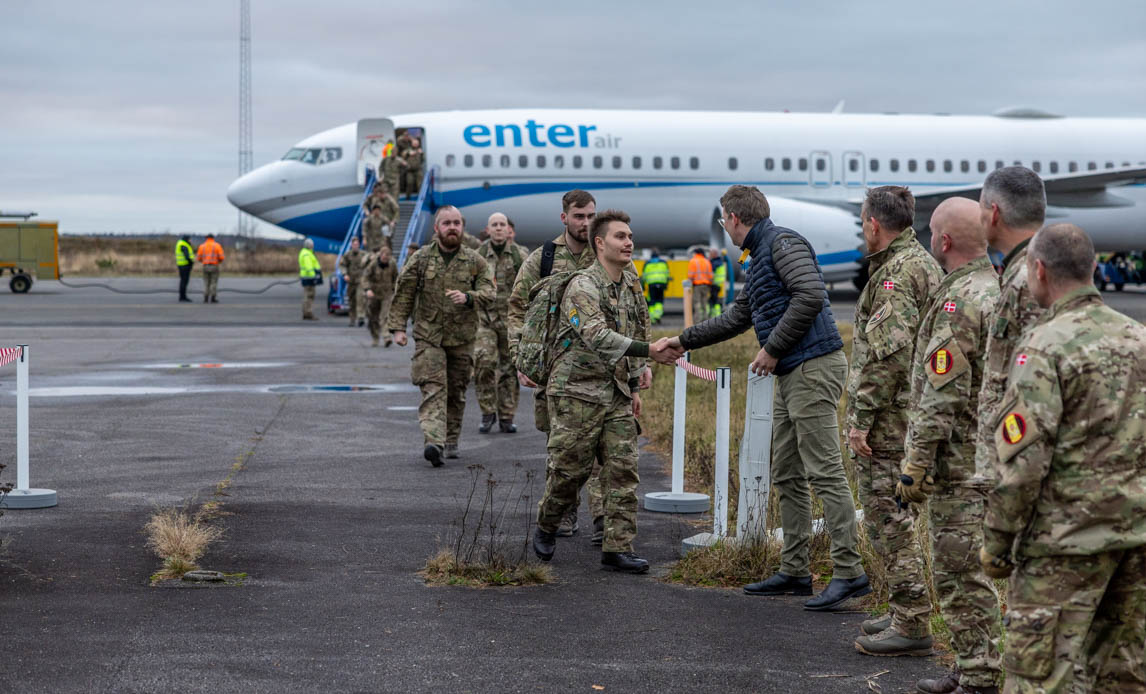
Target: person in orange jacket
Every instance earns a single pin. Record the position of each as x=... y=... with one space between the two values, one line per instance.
x=210 y=256
x=700 y=274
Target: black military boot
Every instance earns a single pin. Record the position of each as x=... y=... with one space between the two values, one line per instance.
x=781 y=584
x=487 y=421
x=433 y=453
x=598 y=536
x=507 y=426
x=544 y=544
x=625 y=562
x=873 y=626
x=944 y=685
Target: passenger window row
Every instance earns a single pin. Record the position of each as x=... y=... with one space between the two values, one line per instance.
x=575 y=161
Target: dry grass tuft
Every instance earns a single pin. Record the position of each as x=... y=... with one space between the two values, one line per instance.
x=179 y=538
x=444 y=569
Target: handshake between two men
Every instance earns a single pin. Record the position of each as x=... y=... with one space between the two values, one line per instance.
x=668 y=349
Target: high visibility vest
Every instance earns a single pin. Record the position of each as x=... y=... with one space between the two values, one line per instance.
x=720 y=275
x=183 y=253
x=699 y=270
x=655 y=272
x=209 y=253
x=307 y=264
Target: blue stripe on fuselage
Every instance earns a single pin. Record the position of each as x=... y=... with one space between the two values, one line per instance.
x=327 y=228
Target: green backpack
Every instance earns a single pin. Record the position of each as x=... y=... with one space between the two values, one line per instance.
x=544 y=335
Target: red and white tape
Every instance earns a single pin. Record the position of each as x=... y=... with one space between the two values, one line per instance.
x=9 y=355
x=706 y=374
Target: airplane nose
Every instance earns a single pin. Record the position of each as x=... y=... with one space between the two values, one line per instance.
x=241 y=192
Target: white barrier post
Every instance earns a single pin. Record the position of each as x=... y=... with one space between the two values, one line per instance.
x=22 y=496
x=755 y=459
x=678 y=500
x=720 y=483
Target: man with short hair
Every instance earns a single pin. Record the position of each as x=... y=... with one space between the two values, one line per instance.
x=1012 y=207
x=378 y=276
x=903 y=281
x=1067 y=514
x=594 y=397
x=495 y=377
x=700 y=275
x=184 y=259
x=351 y=264
x=442 y=287
x=308 y=274
x=785 y=301
x=939 y=458
x=210 y=256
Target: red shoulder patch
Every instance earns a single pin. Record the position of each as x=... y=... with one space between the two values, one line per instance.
x=889 y=284
x=1021 y=359
x=941 y=362
x=949 y=307
x=1014 y=428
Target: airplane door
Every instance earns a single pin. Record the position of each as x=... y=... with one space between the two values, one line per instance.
x=821 y=169
x=373 y=134
x=855 y=171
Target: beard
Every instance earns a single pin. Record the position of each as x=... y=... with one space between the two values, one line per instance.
x=450 y=242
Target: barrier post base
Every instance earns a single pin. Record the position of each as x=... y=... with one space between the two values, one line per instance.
x=678 y=502
x=29 y=498
x=701 y=541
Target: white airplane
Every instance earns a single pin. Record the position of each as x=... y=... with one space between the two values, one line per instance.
x=667 y=169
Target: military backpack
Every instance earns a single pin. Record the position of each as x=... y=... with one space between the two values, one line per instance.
x=544 y=335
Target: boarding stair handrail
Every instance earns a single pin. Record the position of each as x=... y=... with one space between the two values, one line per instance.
x=351 y=232
x=415 y=228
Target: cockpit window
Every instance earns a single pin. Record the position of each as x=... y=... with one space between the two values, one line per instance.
x=311 y=156
x=330 y=154
x=315 y=155
x=294 y=153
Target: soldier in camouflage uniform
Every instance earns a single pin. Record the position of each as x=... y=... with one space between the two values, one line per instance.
x=1068 y=513
x=570 y=252
x=415 y=161
x=939 y=460
x=496 y=377
x=902 y=284
x=351 y=265
x=1012 y=206
x=378 y=277
x=390 y=169
x=444 y=286
x=594 y=399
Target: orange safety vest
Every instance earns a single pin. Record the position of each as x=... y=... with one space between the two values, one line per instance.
x=209 y=253
x=699 y=270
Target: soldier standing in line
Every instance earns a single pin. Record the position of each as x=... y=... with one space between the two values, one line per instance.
x=568 y=252
x=391 y=168
x=1068 y=513
x=351 y=265
x=904 y=278
x=496 y=377
x=210 y=256
x=415 y=163
x=443 y=287
x=1012 y=206
x=594 y=398
x=378 y=277
x=655 y=276
x=403 y=147
x=939 y=459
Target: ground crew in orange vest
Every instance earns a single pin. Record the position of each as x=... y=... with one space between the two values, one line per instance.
x=210 y=256
x=700 y=274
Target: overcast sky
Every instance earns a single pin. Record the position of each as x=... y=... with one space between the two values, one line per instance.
x=123 y=116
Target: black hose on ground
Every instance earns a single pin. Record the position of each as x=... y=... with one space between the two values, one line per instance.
x=101 y=285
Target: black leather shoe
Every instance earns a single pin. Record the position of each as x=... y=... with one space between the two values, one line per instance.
x=183 y=298
x=781 y=584
x=839 y=591
x=625 y=562
x=944 y=685
x=433 y=454
x=544 y=544
x=507 y=426
x=487 y=421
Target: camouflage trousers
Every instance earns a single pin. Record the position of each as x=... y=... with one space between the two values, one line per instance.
x=210 y=281
x=376 y=239
x=1077 y=624
x=596 y=495
x=413 y=180
x=495 y=377
x=700 y=294
x=377 y=309
x=308 y=301
x=354 y=300
x=891 y=531
x=967 y=597
x=443 y=373
x=583 y=432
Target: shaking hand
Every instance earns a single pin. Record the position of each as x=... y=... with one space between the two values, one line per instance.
x=663 y=351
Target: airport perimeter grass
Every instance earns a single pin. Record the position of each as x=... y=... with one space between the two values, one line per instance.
x=93 y=256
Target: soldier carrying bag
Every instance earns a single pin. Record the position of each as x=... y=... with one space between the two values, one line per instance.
x=543 y=332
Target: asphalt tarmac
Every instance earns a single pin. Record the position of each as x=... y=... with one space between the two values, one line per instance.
x=330 y=518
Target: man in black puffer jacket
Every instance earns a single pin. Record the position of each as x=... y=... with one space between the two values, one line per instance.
x=785 y=301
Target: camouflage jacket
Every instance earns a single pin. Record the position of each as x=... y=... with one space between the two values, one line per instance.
x=604 y=320
x=564 y=260
x=374 y=234
x=390 y=167
x=1016 y=312
x=414 y=157
x=421 y=292
x=390 y=209
x=505 y=266
x=947 y=370
x=1070 y=435
x=352 y=263
x=903 y=279
x=379 y=278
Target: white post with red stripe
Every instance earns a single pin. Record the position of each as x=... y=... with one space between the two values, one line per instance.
x=678 y=500
x=22 y=496
x=720 y=483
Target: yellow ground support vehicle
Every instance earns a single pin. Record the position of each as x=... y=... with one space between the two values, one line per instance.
x=29 y=249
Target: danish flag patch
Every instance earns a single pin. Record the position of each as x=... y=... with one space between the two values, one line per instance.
x=949 y=307
x=1021 y=359
x=889 y=284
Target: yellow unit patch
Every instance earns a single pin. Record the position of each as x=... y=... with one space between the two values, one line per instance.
x=941 y=362
x=1014 y=428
